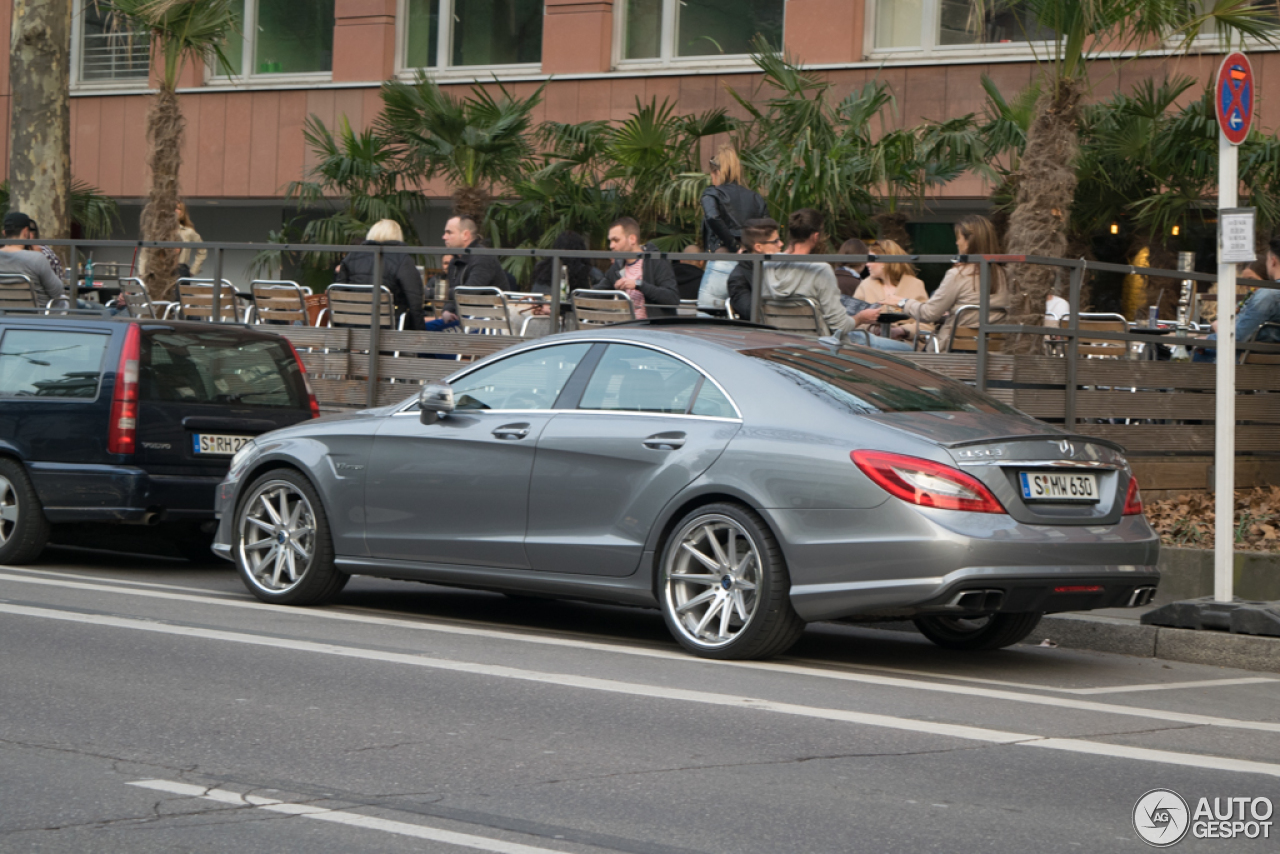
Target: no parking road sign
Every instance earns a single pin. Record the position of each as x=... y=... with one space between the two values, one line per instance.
x=1234 y=96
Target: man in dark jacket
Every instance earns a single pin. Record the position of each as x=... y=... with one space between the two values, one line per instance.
x=472 y=271
x=759 y=237
x=652 y=277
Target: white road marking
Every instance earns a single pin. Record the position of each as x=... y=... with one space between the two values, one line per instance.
x=1108 y=689
x=1169 y=686
x=124 y=583
x=660 y=693
x=684 y=658
x=366 y=822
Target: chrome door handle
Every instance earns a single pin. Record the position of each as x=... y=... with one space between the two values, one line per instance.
x=665 y=441
x=512 y=431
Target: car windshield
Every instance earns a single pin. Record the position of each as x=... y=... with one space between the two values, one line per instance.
x=868 y=383
x=214 y=367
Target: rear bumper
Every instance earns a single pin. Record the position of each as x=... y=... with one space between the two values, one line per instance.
x=75 y=492
x=896 y=561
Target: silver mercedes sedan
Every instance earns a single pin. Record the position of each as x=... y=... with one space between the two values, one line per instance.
x=741 y=480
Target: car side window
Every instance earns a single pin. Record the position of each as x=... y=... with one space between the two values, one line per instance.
x=637 y=379
x=529 y=380
x=47 y=363
x=713 y=403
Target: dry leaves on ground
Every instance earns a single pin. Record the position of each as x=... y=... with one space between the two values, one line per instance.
x=1188 y=520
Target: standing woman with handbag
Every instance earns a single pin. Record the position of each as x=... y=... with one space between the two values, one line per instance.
x=726 y=204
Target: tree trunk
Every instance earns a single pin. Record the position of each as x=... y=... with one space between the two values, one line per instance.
x=165 y=128
x=40 y=130
x=1047 y=183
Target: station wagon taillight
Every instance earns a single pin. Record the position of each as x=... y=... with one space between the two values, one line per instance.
x=1132 y=499
x=926 y=483
x=302 y=369
x=123 y=429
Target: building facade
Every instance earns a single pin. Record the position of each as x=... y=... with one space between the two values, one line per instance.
x=244 y=140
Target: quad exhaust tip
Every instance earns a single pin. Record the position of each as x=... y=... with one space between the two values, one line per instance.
x=977 y=600
x=1141 y=596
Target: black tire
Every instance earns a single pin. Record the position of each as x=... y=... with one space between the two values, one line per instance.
x=760 y=587
x=993 y=631
x=24 y=530
x=306 y=561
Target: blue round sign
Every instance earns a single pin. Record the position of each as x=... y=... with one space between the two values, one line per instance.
x=1234 y=96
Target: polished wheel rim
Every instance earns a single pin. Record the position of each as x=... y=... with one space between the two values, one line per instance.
x=8 y=509
x=713 y=579
x=277 y=536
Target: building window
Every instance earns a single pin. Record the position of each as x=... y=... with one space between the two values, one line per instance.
x=109 y=51
x=287 y=37
x=474 y=32
x=924 y=25
x=668 y=30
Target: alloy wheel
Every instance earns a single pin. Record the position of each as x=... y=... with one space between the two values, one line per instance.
x=8 y=509
x=277 y=536
x=712 y=580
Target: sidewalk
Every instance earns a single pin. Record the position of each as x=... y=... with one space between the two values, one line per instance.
x=1119 y=630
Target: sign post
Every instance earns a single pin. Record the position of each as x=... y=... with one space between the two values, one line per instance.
x=1234 y=97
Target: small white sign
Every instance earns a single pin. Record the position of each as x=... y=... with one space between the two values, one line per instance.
x=1235 y=236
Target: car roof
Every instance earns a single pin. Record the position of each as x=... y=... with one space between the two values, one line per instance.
x=736 y=335
x=89 y=319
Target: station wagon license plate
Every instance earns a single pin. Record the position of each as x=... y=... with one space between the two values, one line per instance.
x=1057 y=486
x=215 y=445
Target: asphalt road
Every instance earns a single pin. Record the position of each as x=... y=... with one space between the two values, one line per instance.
x=154 y=706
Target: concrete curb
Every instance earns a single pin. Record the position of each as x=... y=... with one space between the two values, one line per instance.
x=1129 y=637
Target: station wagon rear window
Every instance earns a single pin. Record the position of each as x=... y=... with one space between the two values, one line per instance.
x=213 y=367
x=867 y=383
x=47 y=363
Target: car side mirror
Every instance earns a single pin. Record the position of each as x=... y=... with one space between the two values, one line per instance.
x=435 y=401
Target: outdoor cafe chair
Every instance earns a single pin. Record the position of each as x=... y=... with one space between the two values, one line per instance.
x=601 y=308
x=1102 y=348
x=793 y=314
x=964 y=339
x=1252 y=357
x=17 y=291
x=687 y=308
x=195 y=301
x=279 y=302
x=483 y=310
x=352 y=305
x=140 y=303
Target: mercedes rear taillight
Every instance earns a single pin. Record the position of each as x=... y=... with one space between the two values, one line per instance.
x=1132 y=499
x=123 y=430
x=926 y=483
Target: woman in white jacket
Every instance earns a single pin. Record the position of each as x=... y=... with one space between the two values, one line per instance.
x=975 y=235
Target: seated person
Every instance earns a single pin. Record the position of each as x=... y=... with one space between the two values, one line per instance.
x=1262 y=307
x=886 y=283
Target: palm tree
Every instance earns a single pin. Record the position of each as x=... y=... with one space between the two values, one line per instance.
x=365 y=171
x=480 y=143
x=181 y=31
x=1086 y=29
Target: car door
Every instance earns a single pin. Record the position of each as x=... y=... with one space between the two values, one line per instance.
x=605 y=470
x=457 y=491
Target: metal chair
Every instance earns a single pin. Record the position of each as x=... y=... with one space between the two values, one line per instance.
x=352 y=305
x=17 y=291
x=1101 y=348
x=964 y=339
x=279 y=302
x=687 y=308
x=195 y=301
x=794 y=314
x=483 y=310
x=601 y=308
x=1251 y=357
x=139 y=301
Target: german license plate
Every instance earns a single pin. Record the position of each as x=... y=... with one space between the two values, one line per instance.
x=211 y=444
x=1057 y=486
